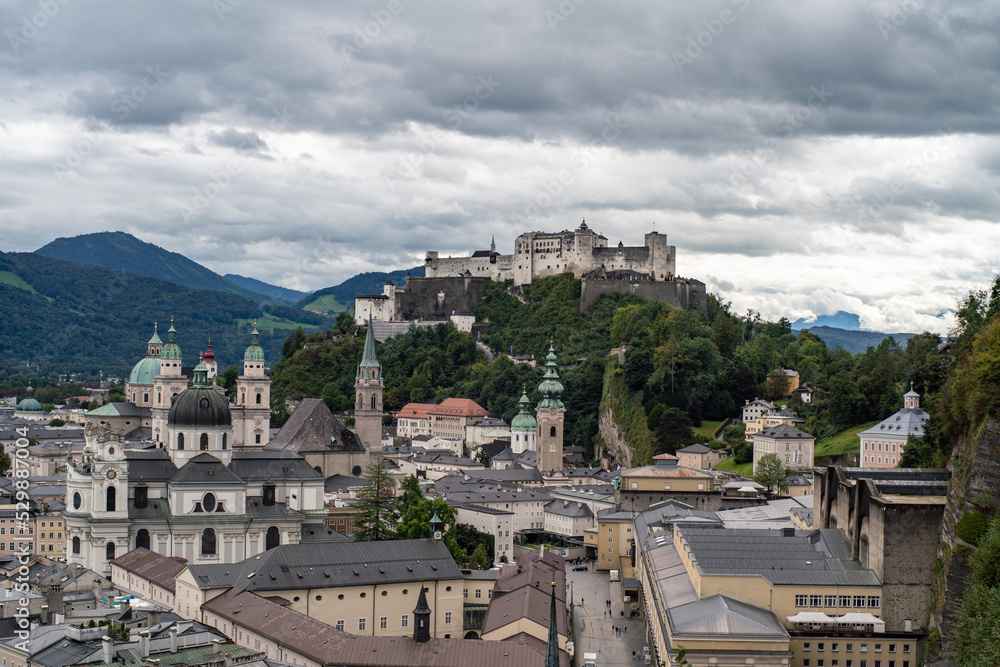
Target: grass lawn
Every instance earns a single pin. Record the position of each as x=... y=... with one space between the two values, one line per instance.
x=270 y=323
x=326 y=302
x=845 y=442
x=745 y=469
x=707 y=428
x=15 y=280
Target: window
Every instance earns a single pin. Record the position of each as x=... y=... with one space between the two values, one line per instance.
x=830 y=601
x=465 y=593
x=859 y=601
x=404 y=621
x=180 y=441
x=845 y=600
x=849 y=648
x=864 y=648
x=258 y=398
x=76 y=545
x=109 y=550
x=873 y=601
x=892 y=648
x=447 y=618
x=906 y=648
x=878 y=648
x=834 y=647
x=208 y=542
x=257 y=440
x=204 y=442
x=806 y=646
x=821 y=646
x=815 y=600
x=142 y=538
x=479 y=593
x=340 y=625
x=112 y=498
x=383 y=623
x=362 y=624
x=805 y=662
x=801 y=600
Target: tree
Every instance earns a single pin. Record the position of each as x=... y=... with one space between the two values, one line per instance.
x=638 y=368
x=470 y=539
x=410 y=495
x=977 y=633
x=4 y=460
x=344 y=323
x=771 y=473
x=227 y=379
x=377 y=515
x=57 y=422
x=778 y=384
x=673 y=431
x=483 y=457
x=416 y=524
x=480 y=560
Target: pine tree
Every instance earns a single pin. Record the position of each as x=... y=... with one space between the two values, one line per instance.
x=377 y=516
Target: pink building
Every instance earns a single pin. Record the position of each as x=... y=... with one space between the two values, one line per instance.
x=882 y=445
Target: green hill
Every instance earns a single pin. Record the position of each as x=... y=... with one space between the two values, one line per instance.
x=363 y=283
x=855 y=341
x=265 y=289
x=66 y=317
x=124 y=252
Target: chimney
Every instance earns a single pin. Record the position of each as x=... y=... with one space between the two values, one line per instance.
x=153 y=617
x=216 y=645
x=107 y=649
x=144 y=643
x=173 y=639
x=229 y=659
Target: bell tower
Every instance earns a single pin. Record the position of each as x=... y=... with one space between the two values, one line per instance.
x=551 y=416
x=168 y=384
x=253 y=397
x=368 y=397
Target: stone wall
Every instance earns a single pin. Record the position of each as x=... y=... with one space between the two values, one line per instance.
x=436 y=298
x=683 y=293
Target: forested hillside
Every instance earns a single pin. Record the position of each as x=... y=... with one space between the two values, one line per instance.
x=680 y=362
x=63 y=317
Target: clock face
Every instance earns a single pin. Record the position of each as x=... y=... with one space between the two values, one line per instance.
x=111 y=474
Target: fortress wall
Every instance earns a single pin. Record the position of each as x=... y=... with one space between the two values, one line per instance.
x=687 y=294
x=435 y=298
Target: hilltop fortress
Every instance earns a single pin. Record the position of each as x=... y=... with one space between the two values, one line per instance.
x=454 y=285
x=582 y=252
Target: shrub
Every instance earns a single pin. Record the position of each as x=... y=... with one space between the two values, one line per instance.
x=972 y=527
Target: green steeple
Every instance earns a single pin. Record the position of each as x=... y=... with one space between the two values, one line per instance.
x=523 y=421
x=368 y=358
x=171 y=350
x=552 y=645
x=155 y=340
x=255 y=352
x=201 y=374
x=550 y=388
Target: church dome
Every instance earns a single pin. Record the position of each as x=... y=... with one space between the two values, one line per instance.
x=29 y=404
x=523 y=421
x=144 y=371
x=255 y=352
x=199 y=406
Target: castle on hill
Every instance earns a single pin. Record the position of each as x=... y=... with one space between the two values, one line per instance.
x=582 y=252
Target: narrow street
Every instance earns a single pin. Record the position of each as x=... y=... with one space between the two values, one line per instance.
x=595 y=629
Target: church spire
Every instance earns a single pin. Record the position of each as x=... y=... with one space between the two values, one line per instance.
x=422 y=618
x=368 y=358
x=552 y=646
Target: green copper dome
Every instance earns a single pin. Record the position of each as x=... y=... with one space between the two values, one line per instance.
x=171 y=350
x=28 y=403
x=550 y=388
x=255 y=352
x=144 y=371
x=523 y=421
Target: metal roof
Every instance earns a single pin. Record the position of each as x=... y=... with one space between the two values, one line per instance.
x=261 y=466
x=150 y=466
x=313 y=428
x=721 y=616
x=150 y=565
x=204 y=469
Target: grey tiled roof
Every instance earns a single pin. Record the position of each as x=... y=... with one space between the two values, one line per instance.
x=150 y=466
x=908 y=421
x=261 y=466
x=313 y=428
x=571 y=509
x=784 y=432
x=204 y=469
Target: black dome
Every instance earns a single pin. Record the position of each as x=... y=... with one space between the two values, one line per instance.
x=199 y=406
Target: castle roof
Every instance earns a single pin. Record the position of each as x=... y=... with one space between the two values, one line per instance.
x=313 y=428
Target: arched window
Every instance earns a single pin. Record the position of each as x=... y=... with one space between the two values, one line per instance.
x=373 y=401
x=258 y=398
x=204 y=442
x=225 y=440
x=112 y=498
x=109 y=551
x=142 y=539
x=273 y=538
x=180 y=441
x=208 y=542
x=552 y=431
x=76 y=545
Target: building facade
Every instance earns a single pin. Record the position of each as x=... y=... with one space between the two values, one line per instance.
x=882 y=445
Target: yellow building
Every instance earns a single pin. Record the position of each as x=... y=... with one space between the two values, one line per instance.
x=362 y=588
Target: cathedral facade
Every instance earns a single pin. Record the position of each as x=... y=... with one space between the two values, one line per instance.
x=206 y=491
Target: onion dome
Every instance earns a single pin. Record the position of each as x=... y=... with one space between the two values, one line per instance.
x=171 y=350
x=523 y=421
x=550 y=388
x=29 y=404
x=201 y=405
x=255 y=352
x=209 y=356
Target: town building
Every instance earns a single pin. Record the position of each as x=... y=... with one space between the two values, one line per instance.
x=794 y=448
x=495 y=522
x=758 y=408
x=315 y=434
x=638 y=488
x=882 y=445
x=700 y=457
x=30 y=409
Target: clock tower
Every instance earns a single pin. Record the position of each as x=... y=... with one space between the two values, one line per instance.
x=551 y=416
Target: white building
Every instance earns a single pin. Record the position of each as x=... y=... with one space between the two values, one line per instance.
x=882 y=445
x=495 y=522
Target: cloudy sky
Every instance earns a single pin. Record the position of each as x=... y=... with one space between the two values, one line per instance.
x=805 y=156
